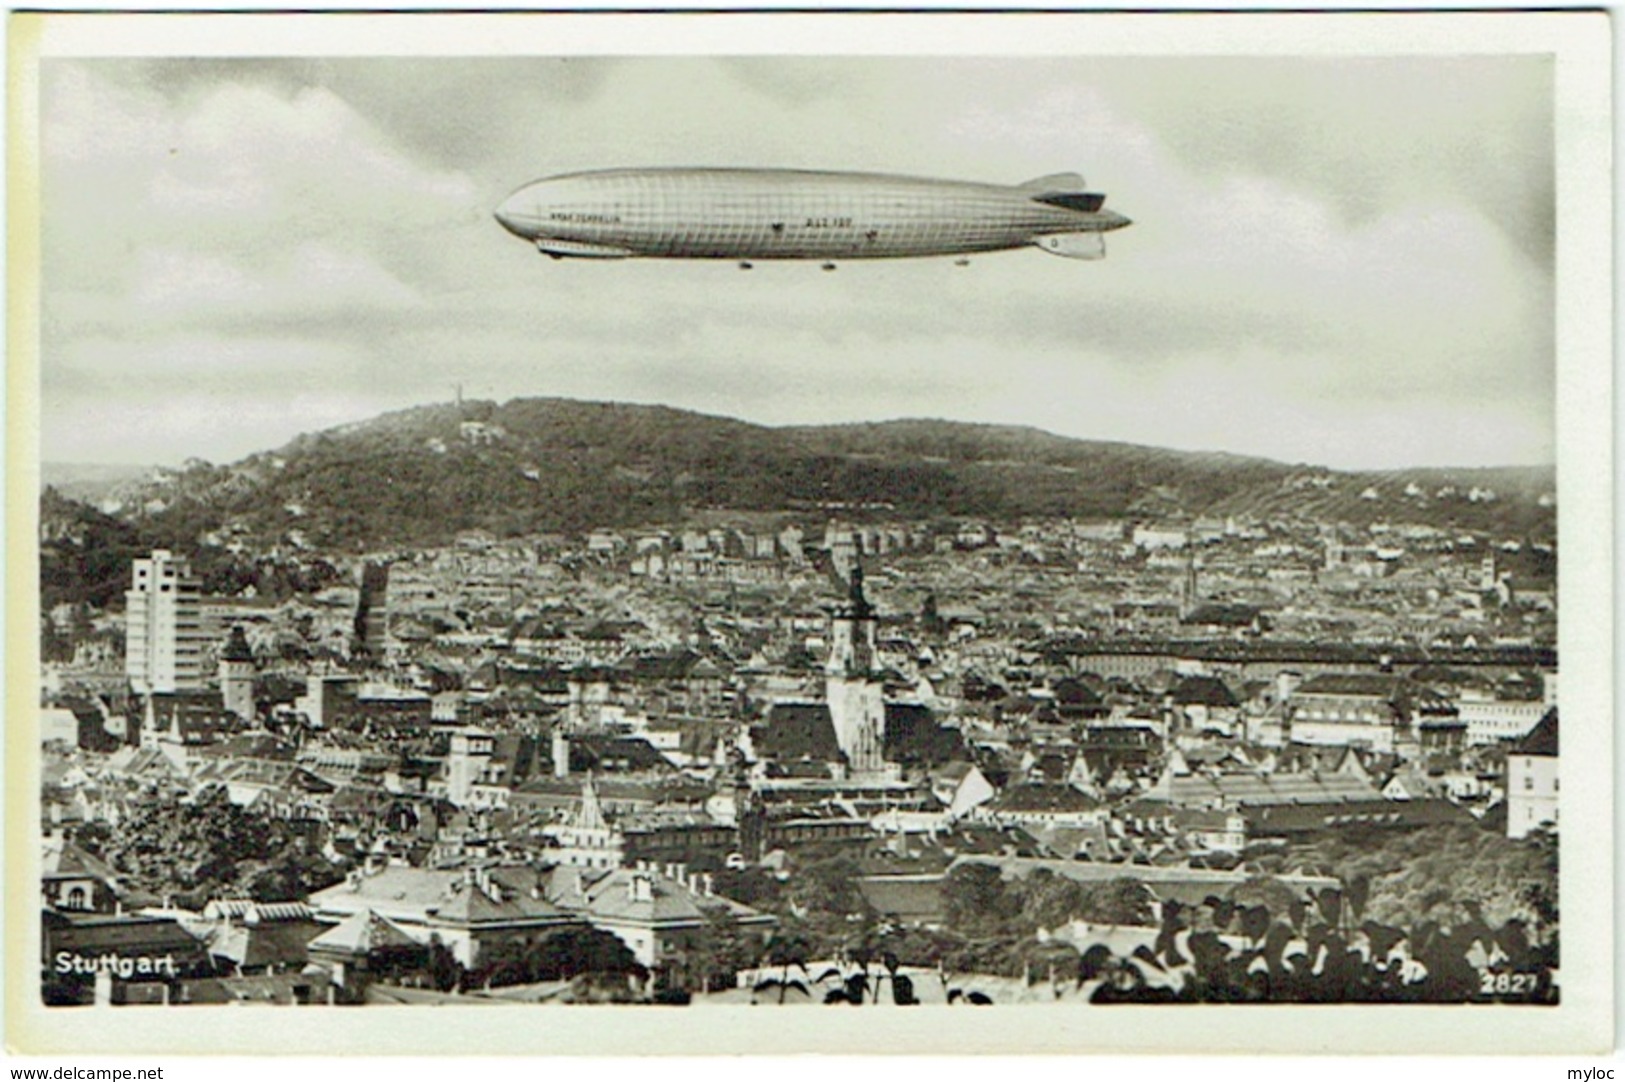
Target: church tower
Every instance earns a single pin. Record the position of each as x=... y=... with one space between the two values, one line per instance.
x=852 y=632
x=237 y=675
x=749 y=816
x=853 y=688
x=1189 y=589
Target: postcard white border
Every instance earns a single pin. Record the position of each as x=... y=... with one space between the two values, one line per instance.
x=1582 y=1023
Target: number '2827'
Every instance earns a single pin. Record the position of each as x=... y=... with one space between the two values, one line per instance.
x=1506 y=984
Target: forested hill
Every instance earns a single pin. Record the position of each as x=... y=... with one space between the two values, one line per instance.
x=419 y=476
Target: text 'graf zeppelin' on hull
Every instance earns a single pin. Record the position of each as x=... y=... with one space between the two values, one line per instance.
x=747 y=214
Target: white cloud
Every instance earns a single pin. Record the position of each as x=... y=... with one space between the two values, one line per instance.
x=166 y=276
x=173 y=289
x=231 y=424
x=1306 y=266
x=233 y=169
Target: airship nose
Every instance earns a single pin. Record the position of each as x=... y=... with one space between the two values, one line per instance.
x=517 y=213
x=1110 y=219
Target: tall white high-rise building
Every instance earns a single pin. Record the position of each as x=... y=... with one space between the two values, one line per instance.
x=163 y=626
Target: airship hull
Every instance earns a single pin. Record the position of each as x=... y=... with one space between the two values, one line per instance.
x=754 y=214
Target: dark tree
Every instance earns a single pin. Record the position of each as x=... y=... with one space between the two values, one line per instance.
x=566 y=954
x=445 y=971
x=974 y=897
x=1119 y=901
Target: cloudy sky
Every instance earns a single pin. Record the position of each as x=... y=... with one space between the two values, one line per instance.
x=1340 y=261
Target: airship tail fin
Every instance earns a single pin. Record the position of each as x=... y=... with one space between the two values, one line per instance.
x=1056 y=182
x=1088 y=202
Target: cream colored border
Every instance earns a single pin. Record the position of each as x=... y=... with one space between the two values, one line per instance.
x=1584 y=1021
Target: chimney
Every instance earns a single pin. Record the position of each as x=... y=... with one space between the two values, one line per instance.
x=640 y=888
x=561 y=753
x=1285 y=684
x=706 y=887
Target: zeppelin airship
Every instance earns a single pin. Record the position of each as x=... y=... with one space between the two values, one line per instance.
x=752 y=214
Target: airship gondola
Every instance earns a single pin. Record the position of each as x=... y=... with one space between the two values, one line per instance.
x=745 y=215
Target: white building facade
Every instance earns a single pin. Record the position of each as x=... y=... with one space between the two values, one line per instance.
x=163 y=632
x=1532 y=780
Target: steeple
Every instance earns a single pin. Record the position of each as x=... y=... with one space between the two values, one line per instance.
x=149 y=722
x=852 y=684
x=852 y=632
x=858 y=607
x=591 y=816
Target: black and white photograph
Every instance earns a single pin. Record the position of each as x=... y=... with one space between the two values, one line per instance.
x=995 y=521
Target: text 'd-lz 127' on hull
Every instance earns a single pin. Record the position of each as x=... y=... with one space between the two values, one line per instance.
x=750 y=214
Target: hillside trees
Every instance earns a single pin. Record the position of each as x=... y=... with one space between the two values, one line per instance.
x=418 y=477
x=84 y=554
